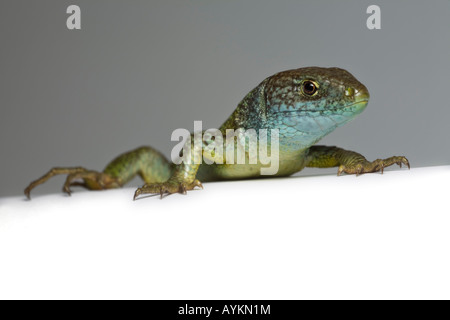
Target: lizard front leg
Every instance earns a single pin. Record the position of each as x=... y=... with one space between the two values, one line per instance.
x=182 y=178
x=349 y=161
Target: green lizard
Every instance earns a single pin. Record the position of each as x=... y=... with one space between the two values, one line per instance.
x=303 y=104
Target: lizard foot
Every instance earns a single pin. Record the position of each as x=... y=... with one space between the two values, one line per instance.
x=92 y=180
x=167 y=187
x=374 y=166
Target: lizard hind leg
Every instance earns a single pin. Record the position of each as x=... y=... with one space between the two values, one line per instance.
x=92 y=180
x=146 y=162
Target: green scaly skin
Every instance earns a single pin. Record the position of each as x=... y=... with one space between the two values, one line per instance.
x=284 y=101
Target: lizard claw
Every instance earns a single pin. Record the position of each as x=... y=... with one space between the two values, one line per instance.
x=67 y=190
x=197 y=183
x=137 y=193
x=27 y=193
x=405 y=162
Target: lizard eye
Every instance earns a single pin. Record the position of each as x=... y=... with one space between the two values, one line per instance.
x=309 y=88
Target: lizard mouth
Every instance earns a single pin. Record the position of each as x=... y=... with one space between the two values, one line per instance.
x=356 y=107
x=360 y=102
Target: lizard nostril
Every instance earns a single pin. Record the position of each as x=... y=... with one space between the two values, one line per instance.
x=349 y=92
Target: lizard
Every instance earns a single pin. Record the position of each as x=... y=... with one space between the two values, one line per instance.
x=303 y=104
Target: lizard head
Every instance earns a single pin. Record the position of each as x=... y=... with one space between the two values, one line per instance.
x=306 y=104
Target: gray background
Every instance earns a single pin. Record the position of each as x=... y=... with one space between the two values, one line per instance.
x=137 y=70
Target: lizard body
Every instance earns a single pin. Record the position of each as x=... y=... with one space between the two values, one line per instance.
x=303 y=104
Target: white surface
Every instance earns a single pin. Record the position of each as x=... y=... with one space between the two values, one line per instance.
x=373 y=236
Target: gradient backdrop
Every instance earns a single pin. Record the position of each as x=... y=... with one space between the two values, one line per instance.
x=137 y=70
